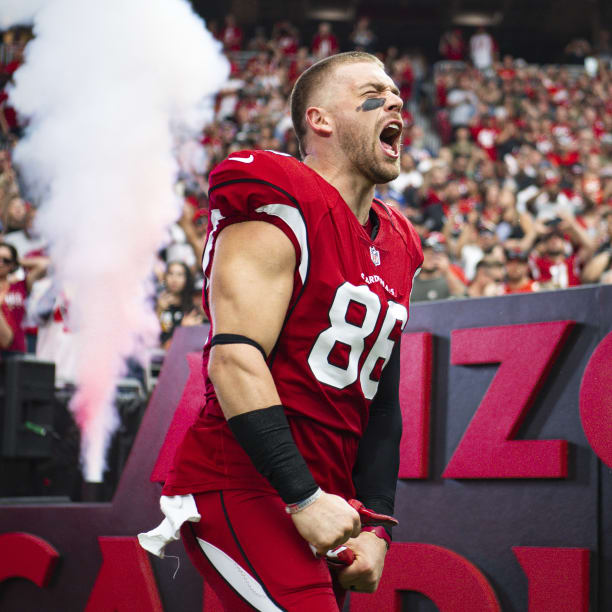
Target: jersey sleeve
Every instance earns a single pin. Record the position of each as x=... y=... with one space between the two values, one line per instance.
x=254 y=186
x=378 y=457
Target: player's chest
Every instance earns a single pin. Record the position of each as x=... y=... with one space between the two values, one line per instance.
x=352 y=310
x=342 y=252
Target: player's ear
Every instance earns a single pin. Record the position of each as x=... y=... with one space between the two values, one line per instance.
x=319 y=121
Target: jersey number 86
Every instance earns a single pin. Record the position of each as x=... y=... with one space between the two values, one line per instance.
x=354 y=336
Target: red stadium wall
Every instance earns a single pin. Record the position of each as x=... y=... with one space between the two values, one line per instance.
x=505 y=485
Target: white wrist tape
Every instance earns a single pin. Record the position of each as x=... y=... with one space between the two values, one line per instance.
x=298 y=506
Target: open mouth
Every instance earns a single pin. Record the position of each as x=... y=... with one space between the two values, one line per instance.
x=390 y=138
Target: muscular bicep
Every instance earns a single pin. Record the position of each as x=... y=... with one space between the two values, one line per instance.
x=250 y=289
x=251 y=281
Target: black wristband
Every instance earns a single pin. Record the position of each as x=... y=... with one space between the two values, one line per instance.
x=266 y=437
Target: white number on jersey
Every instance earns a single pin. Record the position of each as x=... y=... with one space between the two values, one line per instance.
x=353 y=336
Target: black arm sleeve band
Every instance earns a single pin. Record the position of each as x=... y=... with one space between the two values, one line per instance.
x=266 y=437
x=236 y=339
x=377 y=465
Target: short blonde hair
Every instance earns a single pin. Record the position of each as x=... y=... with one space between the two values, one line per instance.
x=311 y=79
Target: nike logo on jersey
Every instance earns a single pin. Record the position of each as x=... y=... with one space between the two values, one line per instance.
x=244 y=160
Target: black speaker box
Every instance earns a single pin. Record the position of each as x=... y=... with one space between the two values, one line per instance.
x=27 y=395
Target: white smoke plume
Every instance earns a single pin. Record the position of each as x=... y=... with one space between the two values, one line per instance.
x=107 y=87
x=18 y=12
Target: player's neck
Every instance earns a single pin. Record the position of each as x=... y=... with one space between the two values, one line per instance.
x=356 y=190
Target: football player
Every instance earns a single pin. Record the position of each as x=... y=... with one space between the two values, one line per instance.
x=307 y=285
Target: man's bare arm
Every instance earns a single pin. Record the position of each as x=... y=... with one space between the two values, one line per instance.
x=595 y=267
x=251 y=287
x=6 y=332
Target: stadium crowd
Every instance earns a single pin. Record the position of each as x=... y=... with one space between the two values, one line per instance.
x=516 y=197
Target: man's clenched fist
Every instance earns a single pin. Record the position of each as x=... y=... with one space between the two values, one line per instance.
x=327 y=523
x=365 y=571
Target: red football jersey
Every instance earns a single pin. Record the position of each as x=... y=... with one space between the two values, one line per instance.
x=564 y=274
x=349 y=304
x=13 y=309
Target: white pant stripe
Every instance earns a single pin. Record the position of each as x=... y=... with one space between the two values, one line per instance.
x=241 y=581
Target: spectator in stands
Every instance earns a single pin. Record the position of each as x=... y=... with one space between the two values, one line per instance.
x=485 y=133
x=462 y=102
x=452 y=45
x=576 y=50
x=198 y=315
x=507 y=71
x=27 y=241
x=12 y=300
x=434 y=192
x=416 y=146
x=285 y=37
x=47 y=310
x=5 y=162
x=495 y=260
x=186 y=243
x=9 y=124
x=409 y=177
x=403 y=76
x=549 y=202
x=389 y=195
x=9 y=189
x=11 y=51
x=600 y=265
x=11 y=57
x=516 y=230
x=324 y=43
x=463 y=146
x=480 y=281
x=14 y=217
x=482 y=49
x=259 y=42
x=479 y=287
x=301 y=62
x=604 y=45
x=436 y=280
x=13 y=293
x=558 y=263
x=414 y=215
x=231 y=34
x=518 y=279
x=175 y=302
x=193 y=224
x=475 y=239
x=362 y=36
x=420 y=71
